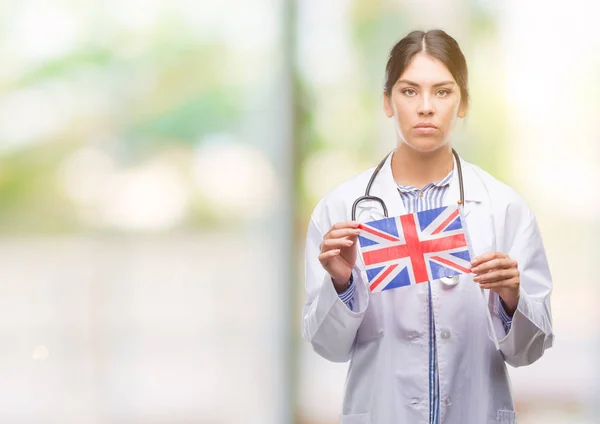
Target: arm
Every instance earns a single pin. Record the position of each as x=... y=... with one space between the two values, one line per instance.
x=530 y=333
x=327 y=323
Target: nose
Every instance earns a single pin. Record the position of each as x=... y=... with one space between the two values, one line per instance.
x=425 y=107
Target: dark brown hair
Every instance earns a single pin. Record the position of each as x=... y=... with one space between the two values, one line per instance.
x=437 y=44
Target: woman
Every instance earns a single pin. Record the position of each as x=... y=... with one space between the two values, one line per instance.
x=427 y=353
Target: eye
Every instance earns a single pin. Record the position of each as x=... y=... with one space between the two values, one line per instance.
x=409 y=92
x=442 y=93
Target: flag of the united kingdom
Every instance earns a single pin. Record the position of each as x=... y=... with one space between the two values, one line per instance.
x=414 y=248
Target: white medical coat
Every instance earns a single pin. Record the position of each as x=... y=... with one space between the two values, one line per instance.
x=386 y=339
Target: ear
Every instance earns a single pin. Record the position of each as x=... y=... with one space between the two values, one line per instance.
x=387 y=105
x=462 y=110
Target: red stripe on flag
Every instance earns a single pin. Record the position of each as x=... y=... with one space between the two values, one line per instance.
x=416 y=248
x=388 y=253
x=450 y=263
x=387 y=272
x=446 y=222
x=377 y=233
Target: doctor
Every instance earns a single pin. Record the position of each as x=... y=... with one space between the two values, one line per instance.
x=426 y=353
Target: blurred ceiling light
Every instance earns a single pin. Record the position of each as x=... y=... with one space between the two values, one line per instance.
x=29 y=115
x=87 y=176
x=325 y=170
x=43 y=30
x=326 y=54
x=138 y=14
x=152 y=197
x=236 y=178
x=40 y=353
x=555 y=146
x=250 y=28
x=241 y=28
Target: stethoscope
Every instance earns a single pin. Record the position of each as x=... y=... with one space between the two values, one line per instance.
x=449 y=281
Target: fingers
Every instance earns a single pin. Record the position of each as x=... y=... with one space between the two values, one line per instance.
x=495 y=270
x=335 y=244
x=346 y=232
x=326 y=256
x=341 y=235
x=510 y=283
x=342 y=225
x=494 y=263
x=496 y=275
x=487 y=257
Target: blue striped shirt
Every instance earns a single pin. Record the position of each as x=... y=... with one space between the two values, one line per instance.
x=429 y=197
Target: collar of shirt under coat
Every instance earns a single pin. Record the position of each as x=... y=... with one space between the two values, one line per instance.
x=386 y=188
x=441 y=183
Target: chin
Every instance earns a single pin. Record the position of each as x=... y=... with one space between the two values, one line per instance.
x=424 y=144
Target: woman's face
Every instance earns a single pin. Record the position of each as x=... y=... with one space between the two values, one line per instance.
x=424 y=103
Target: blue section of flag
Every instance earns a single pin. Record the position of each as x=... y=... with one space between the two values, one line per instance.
x=374 y=272
x=455 y=225
x=387 y=259
x=400 y=280
x=364 y=242
x=387 y=225
x=462 y=255
x=428 y=216
x=439 y=271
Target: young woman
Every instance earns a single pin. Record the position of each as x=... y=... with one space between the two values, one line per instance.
x=427 y=353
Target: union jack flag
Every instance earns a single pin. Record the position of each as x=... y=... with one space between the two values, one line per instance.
x=414 y=248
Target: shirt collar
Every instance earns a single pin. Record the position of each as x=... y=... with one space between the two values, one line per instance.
x=474 y=179
x=441 y=183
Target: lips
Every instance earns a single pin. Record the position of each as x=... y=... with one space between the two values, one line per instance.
x=425 y=125
x=425 y=128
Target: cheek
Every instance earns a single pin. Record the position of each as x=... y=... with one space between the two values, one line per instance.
x=402 y=111
x=449 y=113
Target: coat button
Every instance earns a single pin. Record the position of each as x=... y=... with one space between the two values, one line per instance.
x=445 y=334
x=447 y=402
x=414 y=335
x=415 y=401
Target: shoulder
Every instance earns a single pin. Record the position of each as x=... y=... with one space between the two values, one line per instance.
x=503 y=198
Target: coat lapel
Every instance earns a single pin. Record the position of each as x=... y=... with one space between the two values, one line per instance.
x=473 y=188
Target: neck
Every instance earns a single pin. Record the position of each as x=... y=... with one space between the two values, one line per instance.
x=417 y=169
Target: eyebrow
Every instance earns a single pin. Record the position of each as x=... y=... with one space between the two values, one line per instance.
x=414 y=84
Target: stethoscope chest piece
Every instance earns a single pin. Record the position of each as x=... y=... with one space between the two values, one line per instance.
x=447 y=281
x=450 y=281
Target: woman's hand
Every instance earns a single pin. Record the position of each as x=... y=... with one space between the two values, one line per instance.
x=498 y=272
x=338 y=252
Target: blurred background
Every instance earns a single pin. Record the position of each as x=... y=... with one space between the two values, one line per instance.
x=159 y=161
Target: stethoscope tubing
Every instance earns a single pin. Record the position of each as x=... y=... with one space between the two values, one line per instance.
x=449 y=281
x=367 y=195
